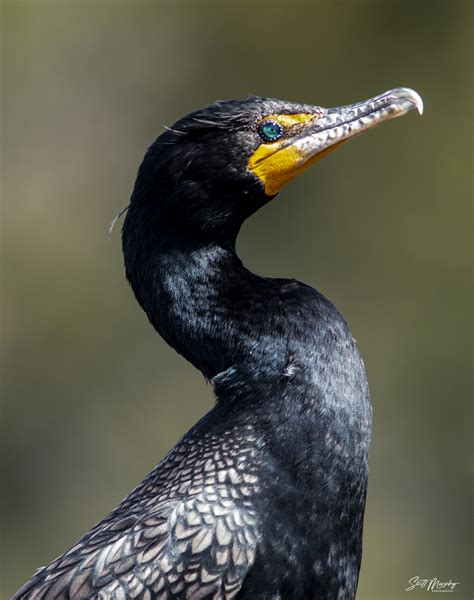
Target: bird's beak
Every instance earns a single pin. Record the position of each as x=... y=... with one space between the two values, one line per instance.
x=277 y=163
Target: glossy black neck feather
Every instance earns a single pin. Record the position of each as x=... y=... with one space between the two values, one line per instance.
x=199 y=296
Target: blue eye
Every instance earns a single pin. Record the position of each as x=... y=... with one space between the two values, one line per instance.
x=270 y=131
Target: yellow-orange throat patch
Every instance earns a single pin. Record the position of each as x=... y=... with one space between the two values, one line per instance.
x=277 y=163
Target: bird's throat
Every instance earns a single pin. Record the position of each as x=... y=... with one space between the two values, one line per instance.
x=197 y=295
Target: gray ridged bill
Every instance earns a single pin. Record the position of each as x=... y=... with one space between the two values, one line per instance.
x=336 y=125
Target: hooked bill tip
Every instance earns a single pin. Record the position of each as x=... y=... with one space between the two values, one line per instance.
x=413 y=97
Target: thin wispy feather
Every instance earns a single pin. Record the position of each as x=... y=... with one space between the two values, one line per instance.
x=116 y=218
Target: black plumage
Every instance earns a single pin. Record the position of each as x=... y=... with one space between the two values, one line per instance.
x=264 y=497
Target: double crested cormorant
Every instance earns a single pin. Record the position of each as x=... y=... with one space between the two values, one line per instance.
x=264 y=497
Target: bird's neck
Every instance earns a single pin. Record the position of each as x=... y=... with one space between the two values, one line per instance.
x=274 y=346
x=198 y=296
x=236 y=326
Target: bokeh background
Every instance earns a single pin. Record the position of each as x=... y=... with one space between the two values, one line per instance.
x=92 y=397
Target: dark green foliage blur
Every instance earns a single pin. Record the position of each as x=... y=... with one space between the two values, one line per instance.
x=92 y=397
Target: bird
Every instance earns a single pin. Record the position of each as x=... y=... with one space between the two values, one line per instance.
x=264 y=497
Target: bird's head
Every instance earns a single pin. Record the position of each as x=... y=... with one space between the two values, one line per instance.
x=217 y=165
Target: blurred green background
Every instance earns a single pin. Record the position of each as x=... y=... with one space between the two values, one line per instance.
x=92 y=397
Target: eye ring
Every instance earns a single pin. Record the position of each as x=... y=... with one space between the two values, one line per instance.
x=270 y=130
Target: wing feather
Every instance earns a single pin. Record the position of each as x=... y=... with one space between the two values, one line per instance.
x=189 y=530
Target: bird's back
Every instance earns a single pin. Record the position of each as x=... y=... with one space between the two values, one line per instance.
x=244 y=506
